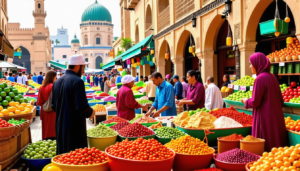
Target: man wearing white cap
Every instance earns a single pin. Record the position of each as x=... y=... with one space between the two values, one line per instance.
x=71 y=106
x=126 y=104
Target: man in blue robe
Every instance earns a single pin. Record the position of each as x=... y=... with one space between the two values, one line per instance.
x=71 y=106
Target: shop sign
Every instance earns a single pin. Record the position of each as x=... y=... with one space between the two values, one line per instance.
x=236 y=87
x=232 y=77
x=243 y=88
x=229 y=85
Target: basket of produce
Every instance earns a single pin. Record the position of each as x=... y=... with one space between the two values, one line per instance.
x=154 y=127
x=114 y=119
x=229 y=142
x=39 y=154
x=166 y=134
x=249 y=165
x=87 y=164
x=119 y=125
x=189 y=152
x=222 y=122
x=7 y=130
x=135 y=131
x=234 y=160
x=253 y=145
x=101 y=137
x=118 y=157
x=146 y=121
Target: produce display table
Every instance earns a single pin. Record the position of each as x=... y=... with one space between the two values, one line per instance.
x=99 y=114
x=111 y=112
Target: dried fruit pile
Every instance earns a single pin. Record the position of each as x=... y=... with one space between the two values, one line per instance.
x=250 y=138
x=86 y=156
x=237 y=156
x=145 y=119
x=99 y=108
x=189 y=145
x=140 y=149
x=119 y=125
x=242 y=118
x=135 y=130
x=233 y=137
x=114 y=119
x=101 y=131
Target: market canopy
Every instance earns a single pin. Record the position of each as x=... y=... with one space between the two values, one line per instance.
x=94 y=71
x=139 y=49
x=57 y=65
x=18 y=67
x=8 y=65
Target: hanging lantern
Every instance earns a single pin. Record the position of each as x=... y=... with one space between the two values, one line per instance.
x=153 y=60
x=151 y=63
x=138 y=59
x=152 y=51
x=142 y=61
x=167 y=56
x=148 y=57
x=132 y=60
x=123 y=73
x=128 y=62
x=289 y=40
x=229 y=41
x=191 y=49
x=287 y=19
x=277 y=34
x=138 y=63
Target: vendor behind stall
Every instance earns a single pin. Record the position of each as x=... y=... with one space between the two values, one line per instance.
x=126 y=104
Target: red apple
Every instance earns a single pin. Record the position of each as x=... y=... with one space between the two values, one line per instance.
x=293 y=84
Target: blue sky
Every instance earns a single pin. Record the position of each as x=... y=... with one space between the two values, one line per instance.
x=66 y=13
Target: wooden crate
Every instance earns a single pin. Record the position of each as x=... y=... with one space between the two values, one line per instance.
x=8 y=148
x=25 y=138
x=12 y=160
x=27 y=116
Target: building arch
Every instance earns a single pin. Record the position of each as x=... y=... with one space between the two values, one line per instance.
x=24 y=61
x=137 y=34
x=98 y=61
x=162 y=5
x=166 y=66
x=148 y=19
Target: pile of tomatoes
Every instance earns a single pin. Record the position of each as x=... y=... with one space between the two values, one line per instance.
x=292 y=49
x=86 y=156
x=290 y=93
x=135 y=130
x=4 y=124
x=140 y=149
x=291 y=124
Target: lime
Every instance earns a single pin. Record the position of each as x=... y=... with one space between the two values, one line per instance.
x=5 y=103
x=20 y=96
x=21 y=100
x=5 y=85
x=1 y=85
x=3 y=94
x=15 y=91
x=10 y=88
x=11 y=94
x=25 y=100
x=17 y=98
x=8 y=98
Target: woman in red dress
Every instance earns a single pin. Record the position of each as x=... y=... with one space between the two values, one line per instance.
x=48 y=118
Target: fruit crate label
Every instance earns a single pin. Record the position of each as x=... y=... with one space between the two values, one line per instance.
x=281 y=64
x=236 y=87
x=251 y=88
x=229 y=85
x=243 y=88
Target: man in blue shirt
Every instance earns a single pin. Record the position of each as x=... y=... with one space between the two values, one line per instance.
x=177 y=87
x=40 y=78
x=164 y=101
x=34 y=78
x=11 y=78
x=119 y=78
x=137 y=77
x=96 y=80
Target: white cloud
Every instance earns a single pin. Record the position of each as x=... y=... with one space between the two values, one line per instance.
x=66 y=13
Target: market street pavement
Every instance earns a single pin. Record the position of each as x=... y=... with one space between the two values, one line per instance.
x=36 y=129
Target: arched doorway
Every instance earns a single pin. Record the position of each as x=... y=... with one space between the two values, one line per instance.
x=25 y=59
x=98 y=62
x=167 y=64
x=137 y=35
x=148 y=21
x=226 y=55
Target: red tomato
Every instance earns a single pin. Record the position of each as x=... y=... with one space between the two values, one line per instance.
x=291 y=93
x=286 y=100
x=290 y=87
x=292 y=128
x=295 y=93
x=295 y=90
x=290 y=96
x=296 y=96
x=285 y=97
x=290 y=90
x=293 y=84
x=297 y=128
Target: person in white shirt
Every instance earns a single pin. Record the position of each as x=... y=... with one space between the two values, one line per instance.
x=20 y=78
x=213 y=97
x=24 y=77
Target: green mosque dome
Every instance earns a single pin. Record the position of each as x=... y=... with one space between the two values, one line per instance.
x=96 y=12
x=75 y=40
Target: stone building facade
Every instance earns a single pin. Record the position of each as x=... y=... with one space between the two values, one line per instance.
x=171 y=23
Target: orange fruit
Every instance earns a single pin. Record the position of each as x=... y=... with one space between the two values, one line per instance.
x=287 y=164
x=11 y=114
x=27 y=110
x=11 y=109
x=5 y=112
x=12 y=103
x=24 y=104
x=21 y=108
x=17 y=112
x=23 y=112
x=1 y=108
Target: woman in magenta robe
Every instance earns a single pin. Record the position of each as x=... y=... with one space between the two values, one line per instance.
x=267 y=102
x=48 y=118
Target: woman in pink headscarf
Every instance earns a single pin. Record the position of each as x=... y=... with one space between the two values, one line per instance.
x=267 y=102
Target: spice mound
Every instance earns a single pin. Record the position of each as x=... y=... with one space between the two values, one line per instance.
x=137 y=116
x=155 y=126
x=139 y=150
x=114 y=119
x=233 y=137
x=180 y=118
x=168 y=132
x=209 y=169
x=189 y=145
x=250 y=138
x=119 y=125
x=135 y=130
x=242 y=118
x=202 y=120
x=237 y=156
x=225 y=122
x=145 y=119
x=101 y=131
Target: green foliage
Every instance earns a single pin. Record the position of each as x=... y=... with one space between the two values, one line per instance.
x=126 y=43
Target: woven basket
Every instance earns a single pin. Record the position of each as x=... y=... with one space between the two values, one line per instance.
x=7 y=133
x=18 y=129
x=25 y=125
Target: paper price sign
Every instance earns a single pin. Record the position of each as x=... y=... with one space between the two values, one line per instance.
x=230 y=86
x=236 y=87
x=243 y=88
x=251 y=88
x=281 y=64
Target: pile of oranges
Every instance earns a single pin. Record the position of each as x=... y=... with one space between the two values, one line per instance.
x=279 y=159
x=15 y=108
x=291 y=124
x=99 y=108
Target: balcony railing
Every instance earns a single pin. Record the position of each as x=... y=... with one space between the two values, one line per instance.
x=164 y=18
x=183 y=8
x=206 y=2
